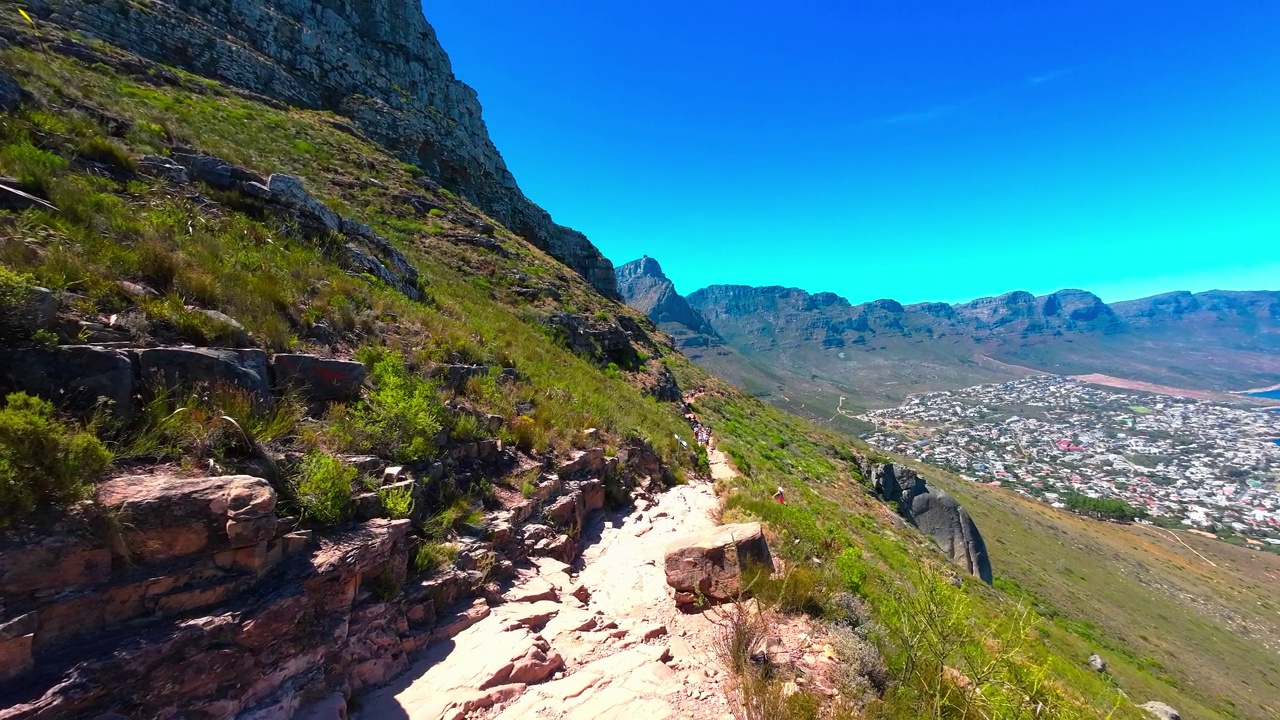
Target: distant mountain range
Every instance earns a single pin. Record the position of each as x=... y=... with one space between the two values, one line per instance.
x=806 y=350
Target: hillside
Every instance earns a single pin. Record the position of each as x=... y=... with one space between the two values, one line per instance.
x=820 y=346
x=296 y=397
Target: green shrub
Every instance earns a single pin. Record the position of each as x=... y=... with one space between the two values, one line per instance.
x=43 y=461
x=431 y=556
x=466 y=427
x=402 y=415
x=397 y=502
x=17 y=305
x=324 y=488
x=435 y=212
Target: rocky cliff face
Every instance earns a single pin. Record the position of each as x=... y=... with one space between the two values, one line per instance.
x=376 y=62
x=646 y=288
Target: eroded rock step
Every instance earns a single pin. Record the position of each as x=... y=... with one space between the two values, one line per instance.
x=593 y=642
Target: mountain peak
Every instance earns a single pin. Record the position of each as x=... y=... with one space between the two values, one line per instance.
x=646 y=288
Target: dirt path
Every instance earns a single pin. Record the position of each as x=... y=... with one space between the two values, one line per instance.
x=597 y=641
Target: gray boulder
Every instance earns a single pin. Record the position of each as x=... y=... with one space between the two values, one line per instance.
x=1097 y=663
x=939 y=516
x=72 y=376
x=12 y=96
x=936 y=514
x=1161 y=711
x=192 y=367
x=215 y=171
x=288 y=190
x=163 y=168
x=320 y=379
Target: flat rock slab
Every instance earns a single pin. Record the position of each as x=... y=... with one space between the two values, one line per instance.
x=452 y=677
x=320 y=379
x=628 y=684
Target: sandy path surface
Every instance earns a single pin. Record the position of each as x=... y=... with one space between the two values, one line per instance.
x=596 y=641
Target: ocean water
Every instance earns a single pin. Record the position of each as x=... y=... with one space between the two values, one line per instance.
x=1270 y=394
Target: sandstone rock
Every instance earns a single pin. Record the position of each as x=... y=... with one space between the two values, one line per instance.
x=229 y=327
x=191 y=367
x=46 y=305
x=12 y=96
x=59 y=563
x=567 y=511
x=168 y=516
x=593 y=494
x=1097 y=663
x=1161 y=711
x=74 y=376
x=711 y=562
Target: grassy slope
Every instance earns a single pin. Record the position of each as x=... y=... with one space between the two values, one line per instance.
x=1173 y=627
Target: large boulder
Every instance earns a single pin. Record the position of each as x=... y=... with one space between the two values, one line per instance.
x=73 y=376
x=320 y=379
x=710 y=563
x=192 y=367
x=1161 y=711
x=165 y=516
x=939 y=516
x=936 y=514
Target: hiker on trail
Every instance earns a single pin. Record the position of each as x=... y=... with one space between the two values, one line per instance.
x=779 y=497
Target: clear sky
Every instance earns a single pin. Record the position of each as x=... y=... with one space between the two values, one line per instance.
x=895 y=148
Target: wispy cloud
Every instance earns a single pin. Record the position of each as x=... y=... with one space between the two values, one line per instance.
x=916 y=117
x=1054 y=75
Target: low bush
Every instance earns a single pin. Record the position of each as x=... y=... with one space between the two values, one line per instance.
x=323 y=488
x=432 y=556
x=401 y=417
x=43 y=460
x=397 y=502
x=17 y=305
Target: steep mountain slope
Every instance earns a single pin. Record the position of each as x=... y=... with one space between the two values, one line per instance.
x=644 y=286
x=821 y=346
x=377 y=64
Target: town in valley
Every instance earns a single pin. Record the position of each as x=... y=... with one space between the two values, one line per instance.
x=1200 y=464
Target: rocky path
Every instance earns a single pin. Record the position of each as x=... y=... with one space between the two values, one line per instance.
x=599 y=640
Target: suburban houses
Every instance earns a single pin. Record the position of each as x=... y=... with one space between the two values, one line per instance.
x=1207 y=465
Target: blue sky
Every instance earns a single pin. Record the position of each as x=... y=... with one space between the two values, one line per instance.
x=895 y=148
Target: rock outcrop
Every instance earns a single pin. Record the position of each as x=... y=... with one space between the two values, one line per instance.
x=936 y=514
x=1161 y=711
x=710 y=564
x=646 y=288
x=378 y=63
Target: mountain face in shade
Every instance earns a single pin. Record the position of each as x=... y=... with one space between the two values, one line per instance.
x=814 y=348
x=645 y=287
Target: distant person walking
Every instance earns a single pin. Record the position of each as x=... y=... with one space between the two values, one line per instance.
x=779 y=497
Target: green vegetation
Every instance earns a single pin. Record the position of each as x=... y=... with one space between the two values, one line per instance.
x=836 y=542
x=432 y=556
x=1102 y=508
x=1162 y=613
x=397 y=502
x=44 y=461
x=323 y=489
x=17 y=299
